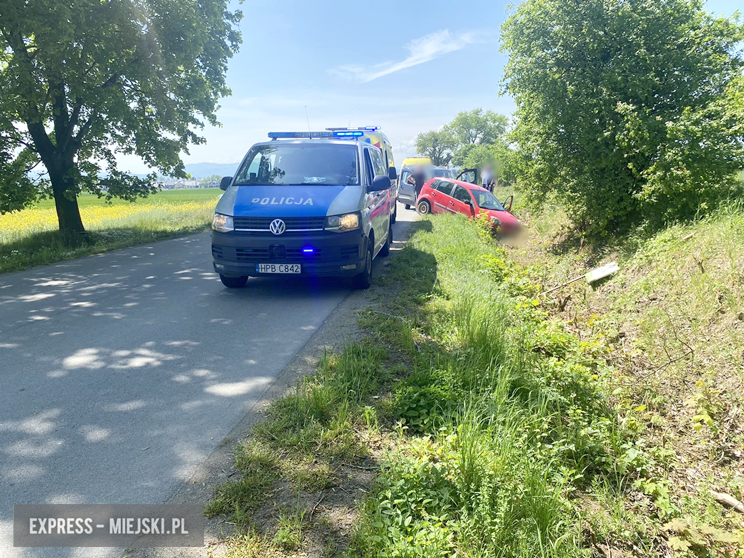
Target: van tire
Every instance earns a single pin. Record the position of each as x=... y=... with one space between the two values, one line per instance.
x=424 y=207
x=385 y=250
x=233 y=282
x=364 y=279
x=408 y=206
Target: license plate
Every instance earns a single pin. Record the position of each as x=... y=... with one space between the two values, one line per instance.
x=278 y=268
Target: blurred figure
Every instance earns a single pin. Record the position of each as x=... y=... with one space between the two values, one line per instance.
x=418 y=179
x=487 y=179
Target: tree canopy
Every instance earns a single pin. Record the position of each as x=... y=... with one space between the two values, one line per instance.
x=437 y=145
x=84 y=80
x=477 y=127
x=626 y=108
x=474 y=131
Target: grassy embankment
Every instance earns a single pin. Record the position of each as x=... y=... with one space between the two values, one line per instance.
x=509 y=424
x=30 y=237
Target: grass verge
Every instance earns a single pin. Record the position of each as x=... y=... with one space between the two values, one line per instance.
x=672 y=319
x=501 y=425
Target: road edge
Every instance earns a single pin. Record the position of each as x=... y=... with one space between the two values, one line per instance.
x=339 y=328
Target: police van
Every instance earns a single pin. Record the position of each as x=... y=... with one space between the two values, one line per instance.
x=305 y=204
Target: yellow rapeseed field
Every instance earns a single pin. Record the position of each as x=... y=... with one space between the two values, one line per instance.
x=158 y=216
x=28 y=238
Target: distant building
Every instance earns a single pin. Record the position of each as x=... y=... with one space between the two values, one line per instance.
x=179 y=184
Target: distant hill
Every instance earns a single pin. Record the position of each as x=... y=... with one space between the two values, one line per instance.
x=197 y=170
x=202 y=170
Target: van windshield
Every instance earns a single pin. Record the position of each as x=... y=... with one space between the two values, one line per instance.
x=312 y=163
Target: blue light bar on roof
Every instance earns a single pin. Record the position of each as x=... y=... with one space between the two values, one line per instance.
x=347 y=134
x=299 y=135
x=364 y=128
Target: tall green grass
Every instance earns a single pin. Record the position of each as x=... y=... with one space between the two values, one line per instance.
x=512 y=432
x=503 y=417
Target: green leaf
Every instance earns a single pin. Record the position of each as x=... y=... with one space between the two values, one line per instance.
x=679 y=544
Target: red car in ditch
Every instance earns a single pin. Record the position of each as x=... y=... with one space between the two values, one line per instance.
x=443 y=195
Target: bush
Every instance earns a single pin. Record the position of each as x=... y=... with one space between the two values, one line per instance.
x=628 y=111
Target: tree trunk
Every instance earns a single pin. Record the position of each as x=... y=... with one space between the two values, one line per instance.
x=59 y=164
x=68 y=212
x=58 y=157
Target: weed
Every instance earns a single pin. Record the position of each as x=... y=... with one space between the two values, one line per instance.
x=258 y=466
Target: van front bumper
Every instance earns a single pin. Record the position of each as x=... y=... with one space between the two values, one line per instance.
x=237 y=254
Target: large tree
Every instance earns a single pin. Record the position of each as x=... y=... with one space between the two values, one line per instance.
x=477 y=126
x=469 y=129
x=625 y=106
x=84 y=80
x=437 y=145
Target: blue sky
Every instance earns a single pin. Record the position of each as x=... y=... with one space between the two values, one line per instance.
x=407 y=66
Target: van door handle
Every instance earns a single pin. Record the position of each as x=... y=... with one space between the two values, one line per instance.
x=452 y=203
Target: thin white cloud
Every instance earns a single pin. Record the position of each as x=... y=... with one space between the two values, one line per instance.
x=421 y=50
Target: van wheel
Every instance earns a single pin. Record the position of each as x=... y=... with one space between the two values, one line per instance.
x=364 y=279
x=233 y=282
x=424 y=208
x=385 y=250
x=408 y=206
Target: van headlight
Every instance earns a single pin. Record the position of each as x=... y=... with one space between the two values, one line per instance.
x=222 y=223
x=342 y=223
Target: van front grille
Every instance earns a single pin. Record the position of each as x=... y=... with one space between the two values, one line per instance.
x=292 y=223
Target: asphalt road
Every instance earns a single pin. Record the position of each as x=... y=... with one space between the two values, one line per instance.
x=120 y=373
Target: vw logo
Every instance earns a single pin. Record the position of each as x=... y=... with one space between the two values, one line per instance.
x=277 y=226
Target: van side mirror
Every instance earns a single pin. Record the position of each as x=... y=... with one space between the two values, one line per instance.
x=225 y=182
x=508 y=203
x=392 y=173
x=379 y=184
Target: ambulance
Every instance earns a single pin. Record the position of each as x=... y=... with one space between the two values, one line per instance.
x=305 y=204
x=373 y=135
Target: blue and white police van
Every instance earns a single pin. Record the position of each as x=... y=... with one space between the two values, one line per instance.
x=307 y=204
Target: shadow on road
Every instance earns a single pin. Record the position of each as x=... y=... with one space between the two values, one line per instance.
x=121 y=372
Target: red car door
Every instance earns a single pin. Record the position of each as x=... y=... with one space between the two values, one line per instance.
x=431 y=192
x=442 y=197
x=462 y=202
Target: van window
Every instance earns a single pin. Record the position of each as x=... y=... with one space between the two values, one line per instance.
x=279 y=163
x=368 y=169
x=377 y=163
